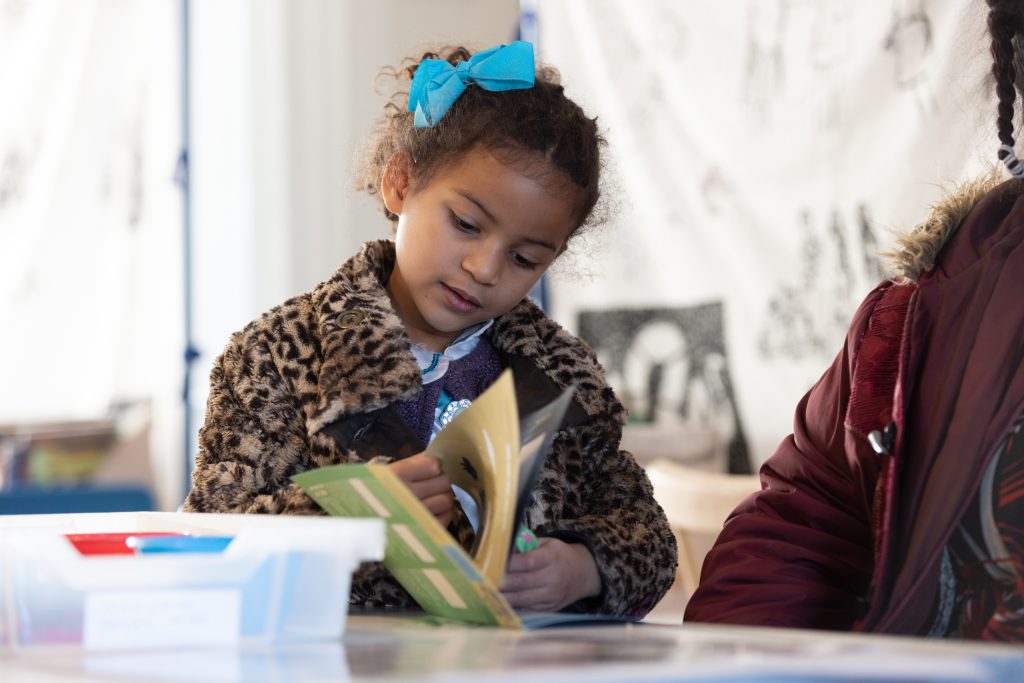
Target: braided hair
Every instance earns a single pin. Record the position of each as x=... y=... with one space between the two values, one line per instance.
x=1006 y=27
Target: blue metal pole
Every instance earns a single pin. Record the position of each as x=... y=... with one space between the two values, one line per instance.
x=528 y=30
x=183 y=179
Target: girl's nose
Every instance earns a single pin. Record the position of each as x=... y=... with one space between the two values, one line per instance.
x=483 y=263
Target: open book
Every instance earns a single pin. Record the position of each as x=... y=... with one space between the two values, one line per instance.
x=490 y=453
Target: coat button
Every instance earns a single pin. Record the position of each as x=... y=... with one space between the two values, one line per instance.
x=882 y=440
x=350 y=319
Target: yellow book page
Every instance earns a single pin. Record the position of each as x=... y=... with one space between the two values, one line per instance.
x=479 y=451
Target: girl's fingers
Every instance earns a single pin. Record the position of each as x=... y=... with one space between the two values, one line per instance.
x=418 y=467
x=440 y=504
x=441 y=507
x=536 y=599
x=526 y=572
x=428 y=488
x=532 y=561
x=427 y=481
x=523 y=581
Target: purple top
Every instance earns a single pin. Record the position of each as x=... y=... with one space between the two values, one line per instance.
x=466 y=378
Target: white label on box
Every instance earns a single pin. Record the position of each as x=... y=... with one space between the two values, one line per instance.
x=161 y=618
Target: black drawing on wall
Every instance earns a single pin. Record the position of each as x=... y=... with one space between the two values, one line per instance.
x=807 y=317
x=670 y=364
x=844 y=269
x=669 y=32
x=764 y=67
x=870 y=249
x=909 y=40
x=828 y=54
x=13 y=172
x=14 y=9
x=716 y=191
x=783 y=37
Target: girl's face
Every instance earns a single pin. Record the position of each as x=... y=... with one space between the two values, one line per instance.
x=472 y=241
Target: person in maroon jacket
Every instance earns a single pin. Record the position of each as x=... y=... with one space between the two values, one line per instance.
x=897 y=503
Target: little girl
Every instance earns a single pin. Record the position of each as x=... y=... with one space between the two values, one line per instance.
x=485 y=176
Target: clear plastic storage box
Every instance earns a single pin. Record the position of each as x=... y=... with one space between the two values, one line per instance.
x=281 y=578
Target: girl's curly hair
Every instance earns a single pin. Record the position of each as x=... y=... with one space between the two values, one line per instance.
x=523 y=125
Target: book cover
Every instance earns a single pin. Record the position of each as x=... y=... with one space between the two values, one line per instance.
x=493 y=455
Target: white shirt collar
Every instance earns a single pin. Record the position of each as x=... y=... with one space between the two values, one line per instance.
x=433 y=365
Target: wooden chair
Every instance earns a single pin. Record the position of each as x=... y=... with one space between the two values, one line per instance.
x=696 y=503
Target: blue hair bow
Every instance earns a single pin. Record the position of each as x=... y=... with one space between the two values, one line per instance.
x=437 y=84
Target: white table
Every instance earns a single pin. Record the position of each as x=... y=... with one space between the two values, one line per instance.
x=391 y=649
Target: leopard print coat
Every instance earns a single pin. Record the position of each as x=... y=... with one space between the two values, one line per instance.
x=311 y=382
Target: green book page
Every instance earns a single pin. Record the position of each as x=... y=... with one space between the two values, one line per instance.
x=421 y=555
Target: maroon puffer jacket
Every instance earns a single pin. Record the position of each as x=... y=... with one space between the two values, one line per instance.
x=841 y=536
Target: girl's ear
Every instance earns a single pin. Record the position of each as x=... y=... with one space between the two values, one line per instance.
x=394 y=184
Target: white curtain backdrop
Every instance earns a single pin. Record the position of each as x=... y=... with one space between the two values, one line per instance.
x=91 y=305
x=90 y=218
x=765 y=150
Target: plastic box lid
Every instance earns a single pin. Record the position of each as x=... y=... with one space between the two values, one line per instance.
x=281 y=578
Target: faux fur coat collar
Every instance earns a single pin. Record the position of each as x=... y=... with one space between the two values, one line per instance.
x=354 y=312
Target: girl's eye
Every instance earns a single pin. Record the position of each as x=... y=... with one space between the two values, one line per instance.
x=523 y=262
x=461 y=224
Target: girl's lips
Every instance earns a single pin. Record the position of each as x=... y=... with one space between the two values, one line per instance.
x=459 y=300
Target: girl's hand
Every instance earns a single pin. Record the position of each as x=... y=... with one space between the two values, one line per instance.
x=428 y=482
x=552 y=576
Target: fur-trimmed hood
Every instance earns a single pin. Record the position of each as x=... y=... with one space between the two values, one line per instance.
x=917 y=250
